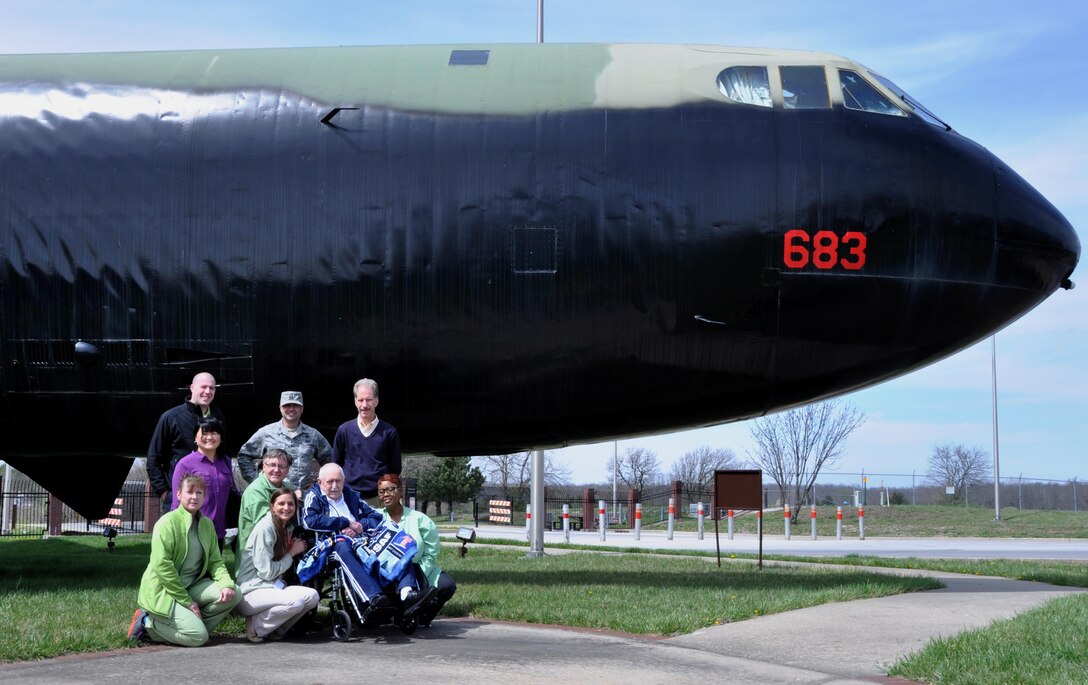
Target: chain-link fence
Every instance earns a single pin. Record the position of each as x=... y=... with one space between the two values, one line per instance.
x=1020 y=492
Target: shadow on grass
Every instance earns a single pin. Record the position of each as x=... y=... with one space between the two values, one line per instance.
x=71 y=564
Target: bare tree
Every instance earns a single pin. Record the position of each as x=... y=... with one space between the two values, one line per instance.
x=513 y=473
x=138 y=470
x=793 y=446
x=958 y=466
x=696 y=468
x=637 y=466
x=419 y=465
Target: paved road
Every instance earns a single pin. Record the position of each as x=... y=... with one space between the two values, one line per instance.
x=980 y=548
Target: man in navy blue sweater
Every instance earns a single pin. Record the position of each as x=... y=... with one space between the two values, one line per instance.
x=365 y=447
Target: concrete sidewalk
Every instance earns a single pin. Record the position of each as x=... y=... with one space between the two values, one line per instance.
x=834 y=644
x=865 y=637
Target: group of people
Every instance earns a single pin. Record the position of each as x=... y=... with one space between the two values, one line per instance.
x=187 y=590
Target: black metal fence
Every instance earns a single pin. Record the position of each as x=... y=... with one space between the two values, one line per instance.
x=24 y=512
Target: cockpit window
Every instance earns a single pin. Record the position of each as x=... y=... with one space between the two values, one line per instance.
x=857 y=93
x=918 y=107
x=747 y=85
x=804 y=88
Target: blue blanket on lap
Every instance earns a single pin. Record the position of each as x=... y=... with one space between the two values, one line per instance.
x=386 y=551
x=314 y=560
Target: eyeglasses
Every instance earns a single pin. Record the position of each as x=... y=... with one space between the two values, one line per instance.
x=387 y=491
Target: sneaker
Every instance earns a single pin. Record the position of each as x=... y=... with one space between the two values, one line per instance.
x=137 y=632
x=251 y=632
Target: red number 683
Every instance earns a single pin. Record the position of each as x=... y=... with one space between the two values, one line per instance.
x=822 y=249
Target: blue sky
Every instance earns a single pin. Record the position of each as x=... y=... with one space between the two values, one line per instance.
x=1010 y=75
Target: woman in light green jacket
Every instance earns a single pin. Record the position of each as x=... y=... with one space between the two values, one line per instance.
x=422 y=529
x=186 y=590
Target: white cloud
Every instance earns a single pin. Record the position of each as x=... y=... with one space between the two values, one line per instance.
x=1054 y=159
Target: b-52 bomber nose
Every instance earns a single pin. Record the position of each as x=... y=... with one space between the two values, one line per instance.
x=1038 y=248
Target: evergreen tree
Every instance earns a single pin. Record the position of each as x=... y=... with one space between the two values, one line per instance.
x=453 y=480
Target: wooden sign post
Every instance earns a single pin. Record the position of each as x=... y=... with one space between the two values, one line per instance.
x=738 y=489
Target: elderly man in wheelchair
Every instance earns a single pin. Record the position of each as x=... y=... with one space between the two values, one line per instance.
x=375 y=559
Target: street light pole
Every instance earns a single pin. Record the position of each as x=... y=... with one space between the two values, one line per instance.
x=997 y=460
x=540 y=21
x=615 y=470
x=537 y=506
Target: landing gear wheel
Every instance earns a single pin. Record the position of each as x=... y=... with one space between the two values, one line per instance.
x=341 y=625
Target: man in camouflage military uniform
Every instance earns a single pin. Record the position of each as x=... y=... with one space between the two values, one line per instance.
x=304 y=444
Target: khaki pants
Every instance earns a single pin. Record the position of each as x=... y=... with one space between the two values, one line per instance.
x=276 y=610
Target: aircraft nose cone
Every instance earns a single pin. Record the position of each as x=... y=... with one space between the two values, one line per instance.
x=1038 y=247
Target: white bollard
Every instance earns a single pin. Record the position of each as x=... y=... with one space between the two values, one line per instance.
x=861 y=522
x=813 y=521
x=602 y=519
x=838 y=523
x=786 y=517
x=638 y=521
x=701 y=515
x=730 y=517
x=528 y=522
x=672 y=516
x=566 y=522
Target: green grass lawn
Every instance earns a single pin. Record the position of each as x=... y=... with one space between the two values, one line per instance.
x=645 y=593
x=1047 y=645
x=68 y=595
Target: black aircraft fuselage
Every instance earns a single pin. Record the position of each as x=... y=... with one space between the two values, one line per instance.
x=526 y=246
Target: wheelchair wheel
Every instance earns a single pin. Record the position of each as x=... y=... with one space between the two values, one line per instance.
x=408 y=625
x=341 y=625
